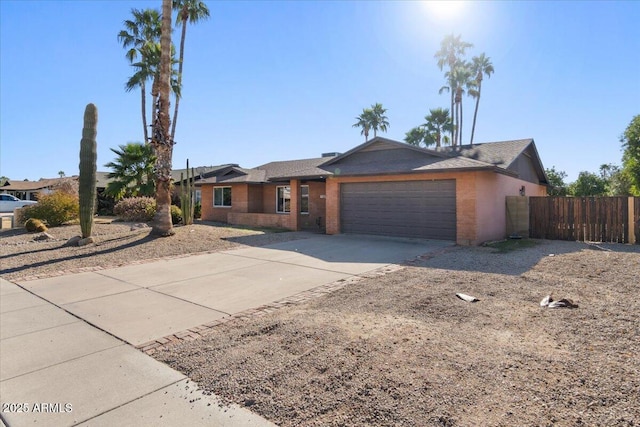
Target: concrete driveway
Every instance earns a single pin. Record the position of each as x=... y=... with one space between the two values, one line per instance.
x=140 y=303
x=50 y=355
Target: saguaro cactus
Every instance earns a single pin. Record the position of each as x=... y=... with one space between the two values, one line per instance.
x=87 y=178
x=186 y=197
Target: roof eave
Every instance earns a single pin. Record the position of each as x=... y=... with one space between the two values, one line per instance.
x=489 y=168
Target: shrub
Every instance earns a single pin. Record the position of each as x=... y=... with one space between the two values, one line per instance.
x=135 y=209
x=176 y=215
x=66 y=185
x=197 y=210
x=32 y=225
x=54 y=209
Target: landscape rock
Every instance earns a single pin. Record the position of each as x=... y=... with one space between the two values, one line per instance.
x=86 y=241
x=43 y=236
x=73 y=241
x=138 y=226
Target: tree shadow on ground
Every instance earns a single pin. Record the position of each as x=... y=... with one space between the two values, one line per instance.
x=76 y=256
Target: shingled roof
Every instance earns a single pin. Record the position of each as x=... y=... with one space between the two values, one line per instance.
x=304 y=168
x=41 y=184
x=384 y=156
x=501 y=154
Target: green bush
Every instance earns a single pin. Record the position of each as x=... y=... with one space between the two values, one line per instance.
x=135 y=209
x=35 y=225
x=197 y=210
x=54 y=209
x=176 y=215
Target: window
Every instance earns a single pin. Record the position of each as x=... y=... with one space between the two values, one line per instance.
x=304 y=199
x=283 y=199
x=222 y=197
x=197 y=197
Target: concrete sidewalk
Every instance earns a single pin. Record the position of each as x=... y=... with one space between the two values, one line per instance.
x=64 y=341
x=56 y=370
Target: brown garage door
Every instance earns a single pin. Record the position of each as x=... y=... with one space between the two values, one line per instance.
x=424 y=209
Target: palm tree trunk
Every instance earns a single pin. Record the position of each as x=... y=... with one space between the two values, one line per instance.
x=143 y=96
x=456 y=126
x=475 y=112
x=451 y=111
x=461 y=121
x=162 y=225
x=154 y=99
x=185 y=16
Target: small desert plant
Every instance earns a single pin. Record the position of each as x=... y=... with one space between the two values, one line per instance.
x=35 y=225
x=197 y=210
x=135 y=209
x=54 y=209
x=176 y=215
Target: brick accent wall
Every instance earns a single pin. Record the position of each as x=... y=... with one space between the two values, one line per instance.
x=317 y=204
x=269 y=198
x=239 y=202
x=255 y=198
x=260 y=220
x=295 y=203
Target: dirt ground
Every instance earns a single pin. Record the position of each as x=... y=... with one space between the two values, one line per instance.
x=402 y=350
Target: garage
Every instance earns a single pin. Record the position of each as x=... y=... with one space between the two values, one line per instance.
x=422 y=209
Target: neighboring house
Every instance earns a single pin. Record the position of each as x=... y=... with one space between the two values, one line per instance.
x=29 y=190
x=383 y=187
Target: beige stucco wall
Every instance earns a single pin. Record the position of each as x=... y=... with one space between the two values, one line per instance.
x=492 y=190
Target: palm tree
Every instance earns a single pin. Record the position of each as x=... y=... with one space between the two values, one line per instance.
x=151 y=69
x=161 y=138
x=438 y=122
x=452 y=48
x=480 y=65
x=378 y=119
x=418 y=135
x=139 y=32
x=132 y=171
x=191 y=11
x=462 y=79
x=364 y=122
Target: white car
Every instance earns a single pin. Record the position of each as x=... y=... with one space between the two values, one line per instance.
x=8 y=203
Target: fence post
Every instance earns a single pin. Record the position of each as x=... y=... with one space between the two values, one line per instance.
x=631 y=229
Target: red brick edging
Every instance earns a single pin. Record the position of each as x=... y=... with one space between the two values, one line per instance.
x=202 y=330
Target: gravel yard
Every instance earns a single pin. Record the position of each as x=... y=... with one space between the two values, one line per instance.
x=401 y=349
x=117 y=244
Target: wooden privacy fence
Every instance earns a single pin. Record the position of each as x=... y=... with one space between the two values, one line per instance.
x=595 y=219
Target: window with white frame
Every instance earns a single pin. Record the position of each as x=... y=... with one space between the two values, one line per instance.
x=222 y=197
x=283 y=199
x=304 y=199
x=197 y=196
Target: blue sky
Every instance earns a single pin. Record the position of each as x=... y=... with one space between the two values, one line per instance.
x=268 y=81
